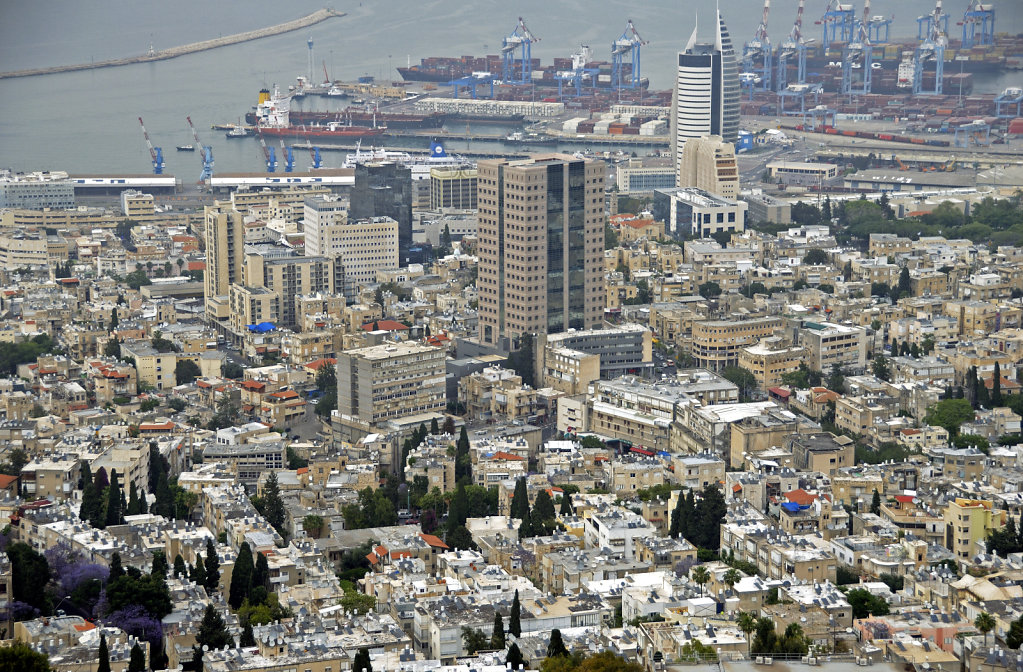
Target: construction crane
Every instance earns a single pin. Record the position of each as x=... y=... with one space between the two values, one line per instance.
x=858 y=55
x=796 y=45
x=205 y=154
x=975 y=14
x=627 y=46
x=155 y=153
x=314 y=154
x=520 y=39
x=270 y=155
x=931 y=49
x=756 y=54
x=289 y=157
x=840 y=18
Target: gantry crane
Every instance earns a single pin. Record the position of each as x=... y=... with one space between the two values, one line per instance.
x=289 y=157
x=205 y=154
x=270 y=155
x=975 y=14
x=857 y=55
x=931 y=49
x=626 y=46
x=756 y=54
x=796 y=45
x=840 y=18
x=520 y=39
x=155 y=153
x=926 y=24
x=314 y=154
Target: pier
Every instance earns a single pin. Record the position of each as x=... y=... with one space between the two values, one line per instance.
x=195 y=47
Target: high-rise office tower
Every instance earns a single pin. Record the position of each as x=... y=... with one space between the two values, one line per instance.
x=225 y=242
x=706 y=96
x=541 y=246
x=384 y=189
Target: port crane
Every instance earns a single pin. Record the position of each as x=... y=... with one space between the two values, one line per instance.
x=756 y=55
x=519 y=40
x=839 y=23
x=155 y=153
x=270 y=155
x=289 y=157
x=858 y=55
x=578 y=73
x=794 y=45
x=314 y=154
x=627 y=46
x=926 y=24
x=205 y=154
x=982 y=15
x=931 y=49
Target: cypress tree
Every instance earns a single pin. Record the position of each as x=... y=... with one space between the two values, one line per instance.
x=134 y=508
x=497 y=635
x=514 y=658
x=514 y=622
x=247 y=639
x=996 y=387
x=241 y=577
x=179 y=567
x=566 y=504
x=434 y=427
x=159 y=566
x=198 y=576
x=273 y=505
x=212 y=568
x=520 y=501
x=137 y=663
x=116 y=570
x=362 y=662
x=103 y=660
x=261 y=574
x=556 y=647
x=113 y=515
x=875 y=503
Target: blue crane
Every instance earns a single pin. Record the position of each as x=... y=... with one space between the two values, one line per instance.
x=205 y=154
x=519 y=40
x=270 y=155
x=756 y=54
x=841 y=20
x=795 y=45
x=858 y=55
x=926 y=24
x=314 y=154
x=155 y=153
x=975 y=14
x=289 y=157
x=578 y=74
x=627 y=46
x=932 y=48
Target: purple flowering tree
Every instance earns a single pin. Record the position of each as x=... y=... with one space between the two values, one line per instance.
x=137 y=622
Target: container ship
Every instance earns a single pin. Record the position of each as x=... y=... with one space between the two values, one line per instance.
x=273 y=118
x=446 y=69
x=357 y=116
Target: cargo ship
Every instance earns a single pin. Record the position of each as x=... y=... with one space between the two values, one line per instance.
x=273 y=118
x=445 y=69
x=358 y=116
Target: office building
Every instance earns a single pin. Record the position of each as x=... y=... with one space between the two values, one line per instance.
x=829 y=344
x=453 y=187
x=389 y=382
x=716 y=343
x=698 y=213
x=384 y=189
x=706 y=100
x=708 y=163
x=225 y=240
x=320 y=213
x=541 y=243
x=36 y=191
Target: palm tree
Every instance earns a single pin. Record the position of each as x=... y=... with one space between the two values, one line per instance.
x=747 y=622
x=731 y=578
x=700 y=575
x=985 y=622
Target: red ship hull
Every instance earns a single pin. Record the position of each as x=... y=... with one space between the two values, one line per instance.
x=319 y=131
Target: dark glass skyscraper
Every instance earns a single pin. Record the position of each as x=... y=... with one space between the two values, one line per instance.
x=384 y=189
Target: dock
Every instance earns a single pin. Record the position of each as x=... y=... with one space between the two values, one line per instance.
x=195 y=47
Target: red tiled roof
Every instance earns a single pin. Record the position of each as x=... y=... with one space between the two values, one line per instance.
x=316 y=364
x=501 y=455
x=156 y=425
x=254 y=385
x=433 y=541
x=384 y=325
x=780 y=392
x=373 y=558
x=197 y=266
x=85 y=627
x=284 y=394
x=736 y=488
x=904 y=499
x=6 y=480
x=801 y=497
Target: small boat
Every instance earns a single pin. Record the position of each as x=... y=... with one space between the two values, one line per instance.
x=238 y=132
x=333 y=91
x=185 y=148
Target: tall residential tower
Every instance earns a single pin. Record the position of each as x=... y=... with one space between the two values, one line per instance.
x=541 y=246
x=706 y=96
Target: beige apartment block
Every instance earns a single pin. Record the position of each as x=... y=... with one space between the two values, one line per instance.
x=389 y=382
x=716 y=343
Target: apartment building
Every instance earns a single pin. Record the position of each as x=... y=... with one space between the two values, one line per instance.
x=829 y=344
x=716 y=343
x=770 y=359
x=388 y=382
x=968 y=521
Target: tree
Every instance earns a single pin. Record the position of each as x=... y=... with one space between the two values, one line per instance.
x=497 y=635
x=520 y=500
x=247 y=639
x=905 y=286
x=20 y=657
x=880 y=368
x=875 y=503
x=273 y=505
x=241 y=577
x=701 y=575
x=731 y=577
x=29 y=573
x=134 y=507
x=514 y=623
x=610 y=237
x=816 y=257
x=747 y=622
x=984 y=622
x=261 y=574
x=113 y=513
x=212 y=568
x=137 y=278
x=950 y=414
x=459 y=538
x=1014 y=638
x=543 y=507
x=312 y=524
x=362 y=663
x=103 y=659
x=179 y=567
x=213 y=630
x=159 y=567
x=137 y=662
x=514 y=659
x=198 y=573
x=741 y=378
x=186 y=371
x=996 y=386
x=864 y=603
x=556 y=647
x=474 y=640
x=710 y=290
x=566 y=505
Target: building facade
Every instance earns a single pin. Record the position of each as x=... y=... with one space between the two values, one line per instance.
x=708 y=163
x=387 y=382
